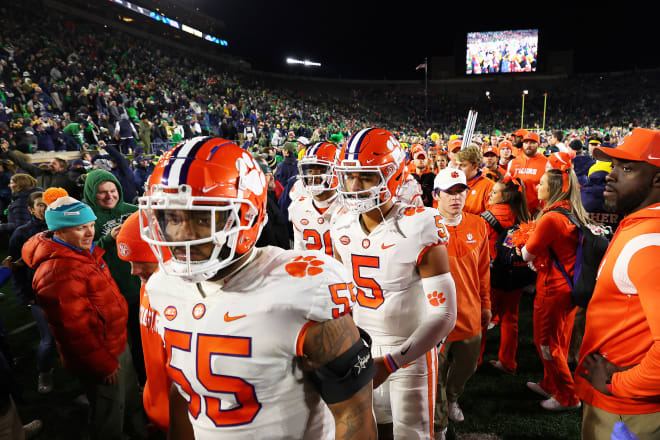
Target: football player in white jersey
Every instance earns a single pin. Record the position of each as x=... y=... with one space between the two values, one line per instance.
x=312 y=212
x=255 y=337
x=406 y=295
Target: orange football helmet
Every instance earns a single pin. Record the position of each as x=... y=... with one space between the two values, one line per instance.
x=323 y=155
x=218 y=192
x=371 y=150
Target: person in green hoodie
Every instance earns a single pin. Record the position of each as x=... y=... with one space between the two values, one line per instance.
x=104 y=194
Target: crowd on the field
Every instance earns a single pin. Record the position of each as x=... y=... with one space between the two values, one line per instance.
x=122 y=104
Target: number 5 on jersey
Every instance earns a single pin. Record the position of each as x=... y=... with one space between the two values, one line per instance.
x=375 y=299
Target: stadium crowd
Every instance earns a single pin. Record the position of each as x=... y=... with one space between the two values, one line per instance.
x=120 y=103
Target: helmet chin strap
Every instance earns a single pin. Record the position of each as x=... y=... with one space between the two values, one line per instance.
x=325 y=203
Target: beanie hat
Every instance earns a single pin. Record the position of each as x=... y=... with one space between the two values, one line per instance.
x=131 y=247
x=64 y=211
x=576 y=144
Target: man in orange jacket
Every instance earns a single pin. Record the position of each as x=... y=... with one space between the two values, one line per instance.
x=529 y=166
x=469 y=264
x=618 y=376
x=480 y=187
x=131 y=248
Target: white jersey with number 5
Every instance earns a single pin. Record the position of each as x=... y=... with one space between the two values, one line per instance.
x=311 y=225
x=383 y=263
x=233 y=352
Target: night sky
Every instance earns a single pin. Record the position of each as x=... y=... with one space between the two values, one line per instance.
x=361 y=39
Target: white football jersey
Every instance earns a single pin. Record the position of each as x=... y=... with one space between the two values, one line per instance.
x=383 y=263
x=297 y=190
x=311 y=228
x=409 y=193
x=234 y=351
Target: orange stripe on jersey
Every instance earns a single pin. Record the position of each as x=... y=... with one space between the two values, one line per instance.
x=421 y=254
x=301 y=337
x=430 y=355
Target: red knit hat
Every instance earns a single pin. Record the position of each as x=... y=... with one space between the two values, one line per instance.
x=131 y=247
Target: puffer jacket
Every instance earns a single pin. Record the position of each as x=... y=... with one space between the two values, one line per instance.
x=85 y=311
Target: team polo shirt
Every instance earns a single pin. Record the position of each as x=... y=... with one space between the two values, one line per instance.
x=478 y=194
x=530 y=171
x=623 y=318
x=469 y=264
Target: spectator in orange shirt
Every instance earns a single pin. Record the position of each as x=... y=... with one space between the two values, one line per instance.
x=509 y=206
x=131 y=247
x=554 y=310
x=423 y=176
x=505 y=150
x=453 y=147
x=491 y=168
x=442 y=160
x=414 y=150
x=529 y=167
x=469 y=161
x=517 y=139
x=618 y=376
x=470 y=266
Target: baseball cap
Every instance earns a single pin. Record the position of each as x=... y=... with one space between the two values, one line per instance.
x=492 y=150
x=448 y=178
x=417 y=149
x=290 y=147
x=520 y=132
x=505 y=144
x=454 y=145
x=532 y=137
x=303 y=140
x=640 y=145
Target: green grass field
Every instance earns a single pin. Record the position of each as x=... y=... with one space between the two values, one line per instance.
x=493 y=403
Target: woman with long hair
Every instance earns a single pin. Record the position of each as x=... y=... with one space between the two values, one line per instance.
x=554 y=236
x=508 y=206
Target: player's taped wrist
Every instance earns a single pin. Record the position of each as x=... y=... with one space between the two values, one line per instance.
x=440 y=297
x=339 y=379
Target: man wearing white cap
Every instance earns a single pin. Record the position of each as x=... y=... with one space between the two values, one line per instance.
x=469 y=264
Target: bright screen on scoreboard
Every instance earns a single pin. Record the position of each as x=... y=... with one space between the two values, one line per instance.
x=501 y=52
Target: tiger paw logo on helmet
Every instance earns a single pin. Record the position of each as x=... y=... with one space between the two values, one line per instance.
x=250 y=175
x=301 y=266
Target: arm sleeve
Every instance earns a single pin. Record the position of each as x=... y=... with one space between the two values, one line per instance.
x=439 y=321
x=643 y=380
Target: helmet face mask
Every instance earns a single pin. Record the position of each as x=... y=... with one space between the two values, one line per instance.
x=317 y=177
x=316 y=169
x=372 y=191
x=208 y=217
x=375 y=158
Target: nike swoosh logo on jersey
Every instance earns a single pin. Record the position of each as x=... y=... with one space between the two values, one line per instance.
x=205 y=190
x=233 y=318
x=403 y=352
x=383 y=246
x=653 y=158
